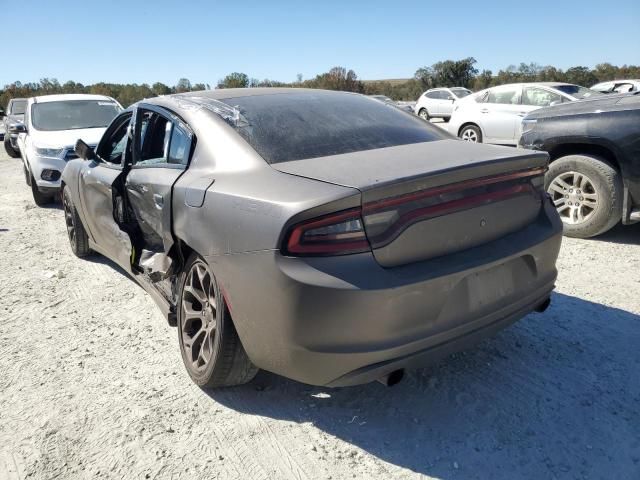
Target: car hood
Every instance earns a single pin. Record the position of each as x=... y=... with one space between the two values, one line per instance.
x=589 y=105
x=65 y=138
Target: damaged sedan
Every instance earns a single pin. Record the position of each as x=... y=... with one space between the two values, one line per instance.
x=318 y=235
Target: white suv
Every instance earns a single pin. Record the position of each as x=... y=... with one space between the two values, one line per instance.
x=438 y=102
x=46 y=140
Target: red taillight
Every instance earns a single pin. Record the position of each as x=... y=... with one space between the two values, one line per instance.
x=335 y=234
x=385 y=219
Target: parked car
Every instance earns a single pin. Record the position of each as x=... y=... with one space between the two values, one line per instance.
x=14 y=115
x=393 y=103
x=46 y=139
x=439 y=102
x=494 y=115
x=617 y=86
x=594 y=175
x=318 y=235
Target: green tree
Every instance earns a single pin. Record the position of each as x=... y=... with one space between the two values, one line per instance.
x=159 y=88
x=234 y=80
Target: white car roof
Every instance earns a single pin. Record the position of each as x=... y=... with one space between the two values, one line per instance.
x=70 y=96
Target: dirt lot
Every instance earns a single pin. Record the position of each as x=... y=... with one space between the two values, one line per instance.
x=92 y=384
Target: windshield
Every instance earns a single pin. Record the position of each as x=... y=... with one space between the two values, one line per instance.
x=577 y=91
x=18 y=106
x=297 y=126
x=460 y=92
x=73 y=114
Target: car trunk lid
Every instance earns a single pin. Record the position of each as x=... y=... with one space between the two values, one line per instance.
x=429 y=199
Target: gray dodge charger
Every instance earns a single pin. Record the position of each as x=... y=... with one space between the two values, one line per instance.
x=323 y=236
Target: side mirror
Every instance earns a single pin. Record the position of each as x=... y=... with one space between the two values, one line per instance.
x=16 y=128
x=450 y=97
x=84 y=151
x=554 y=103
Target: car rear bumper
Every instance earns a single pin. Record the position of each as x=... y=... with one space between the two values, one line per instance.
x=345 y=320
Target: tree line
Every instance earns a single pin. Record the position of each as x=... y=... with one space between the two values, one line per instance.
x=447 y=73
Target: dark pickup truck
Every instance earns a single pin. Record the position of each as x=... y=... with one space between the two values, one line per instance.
x=13 y=115
x=594 y=174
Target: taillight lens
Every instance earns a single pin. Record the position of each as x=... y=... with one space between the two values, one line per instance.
x=335 y=234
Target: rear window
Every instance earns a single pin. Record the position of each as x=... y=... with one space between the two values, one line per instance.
x=295 y=126
x=73 y=114
x=461 y=92
x=18 y=107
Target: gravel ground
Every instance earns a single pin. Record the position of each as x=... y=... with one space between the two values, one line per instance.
x=92 y=384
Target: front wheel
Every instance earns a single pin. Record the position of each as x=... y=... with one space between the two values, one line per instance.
x=12 y=152
x=471 y=133
x=211 y=349
x=587 y=193
x=424 y=114
x=39 y=198
x=78 y=238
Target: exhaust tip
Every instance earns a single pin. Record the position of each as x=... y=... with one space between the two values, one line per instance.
x=543 y=306
x=392 y=378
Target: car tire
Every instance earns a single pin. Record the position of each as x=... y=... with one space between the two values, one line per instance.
x=39 y=198
x=471 y=133
x=78 y=238
x=587 y=192
x=12 y=152
x=209 y=344
x=424 y=114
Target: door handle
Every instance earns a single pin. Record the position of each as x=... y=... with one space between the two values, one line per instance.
x=158 y=200
x=522 y=114
x=484 y=110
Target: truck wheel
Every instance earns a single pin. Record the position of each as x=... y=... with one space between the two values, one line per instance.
x=587 y=193
x=78 y=238
x=39 y=198
x=12 y=152
x=211 y=349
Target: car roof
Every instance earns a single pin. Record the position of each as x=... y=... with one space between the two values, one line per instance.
x=69 y=96
x=447 y=88
x=528 y=84
x=225 y=93
x=624 y=80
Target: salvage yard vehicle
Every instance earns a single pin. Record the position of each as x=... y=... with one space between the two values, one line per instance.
x=439 y=102
x=594 y=176
x=52 y=124
x=318 y=235
x=617 y=86
x=14 y=116
x=494 y=115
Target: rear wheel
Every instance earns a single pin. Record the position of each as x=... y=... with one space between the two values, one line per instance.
x=424 y=114
x=587 y=193
x=471 y=133
x=211 y=349
x=39 y=198
x=12 y=152
x=78 y=238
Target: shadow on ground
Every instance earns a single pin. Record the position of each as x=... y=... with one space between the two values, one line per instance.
x=554 y=396
x=626 y=234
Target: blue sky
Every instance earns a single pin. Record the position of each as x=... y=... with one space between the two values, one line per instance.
x=147 y=41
